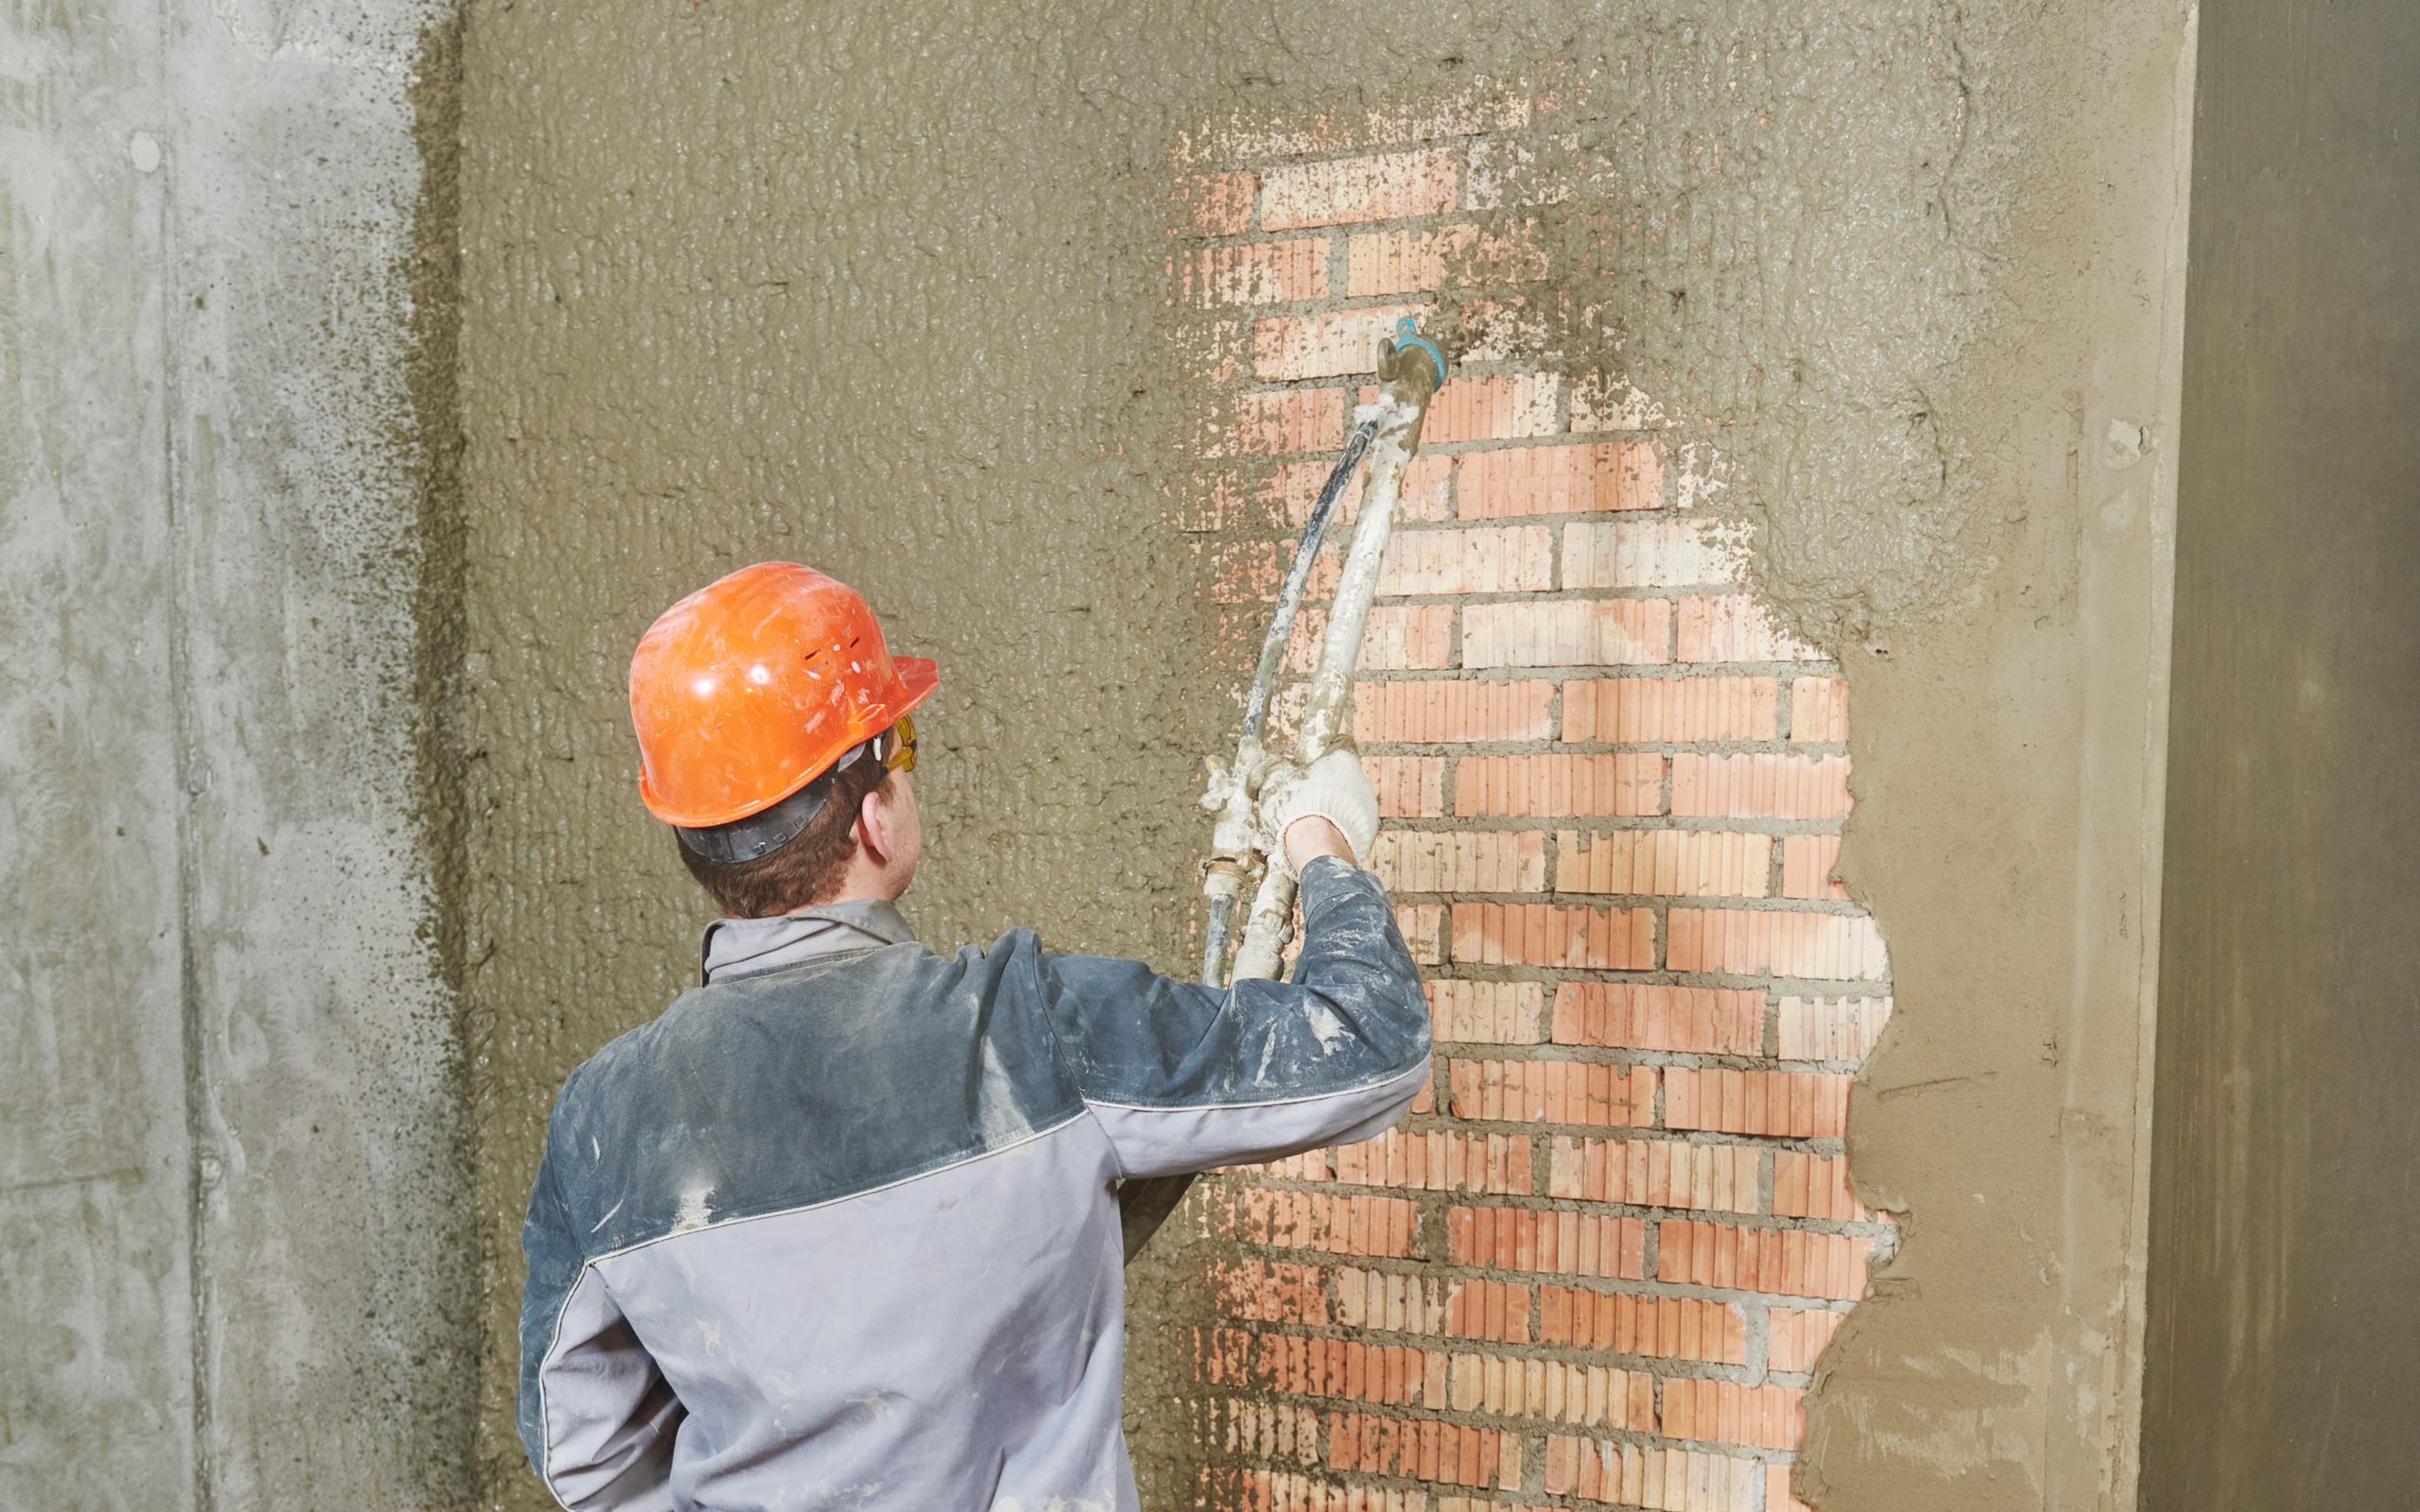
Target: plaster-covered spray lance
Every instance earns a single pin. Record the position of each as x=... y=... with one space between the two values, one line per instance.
x=1411 y=369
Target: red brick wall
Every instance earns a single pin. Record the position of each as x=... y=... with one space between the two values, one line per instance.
x=1597 y=1264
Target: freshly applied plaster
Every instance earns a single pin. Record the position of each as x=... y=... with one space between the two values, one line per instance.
x=884 y=291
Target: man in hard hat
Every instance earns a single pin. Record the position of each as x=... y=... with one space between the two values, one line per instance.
x=837 y=1229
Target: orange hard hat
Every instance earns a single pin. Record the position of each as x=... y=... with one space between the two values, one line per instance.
x=750 y=688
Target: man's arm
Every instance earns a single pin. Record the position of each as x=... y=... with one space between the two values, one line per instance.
x=1184 y=1077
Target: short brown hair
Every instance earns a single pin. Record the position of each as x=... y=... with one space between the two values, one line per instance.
x=804 y=873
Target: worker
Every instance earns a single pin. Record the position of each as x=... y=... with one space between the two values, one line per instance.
x=838 y=1230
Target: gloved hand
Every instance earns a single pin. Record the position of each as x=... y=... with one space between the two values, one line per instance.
x=1333 y=789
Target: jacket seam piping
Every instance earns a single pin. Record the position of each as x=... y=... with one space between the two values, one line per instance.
x=1427 y=1063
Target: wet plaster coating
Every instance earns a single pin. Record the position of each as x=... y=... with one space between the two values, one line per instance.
x=886 y=292
x=233 y=1157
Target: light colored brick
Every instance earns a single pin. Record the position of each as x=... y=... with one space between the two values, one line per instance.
x=1396 y=638
x=1255 y=273
x=1659 y=1328
x=1329 y=1223
x=1735 y=628
x=1831 y=1028
x=1292 y=491
x=1636 y=710
x=1408 y=787
x=1787 y=1262
x=1667 y=1480
x=1815 y=1186
x=1439 y=1161
x=1513 y=560
x=1806 y=863
x=1819 y=711
x=1383 y=186
x=1647 y=554
x=1216 y=204
x=1450 y=711
x=1667 y=862
x=1576 y=479
x=1798 y=1105
x=1488 y=1013
x=1725 y=1412
x=1626 y=784
x=1613 y=632
x=1743 y=943
x=1799 y=1337
x=1288 y=348
x=1506 y=407
x=1423 y=930
x=1651 y=1016
x=1608 y=402
x=1598 y=940
x=1551 y=1092
x=1777 y=1493
x=1289 y=423
x=1389 y=1301
x=1426 y=259
x=1760 y=786
x=1424 y=1448
x=1569 y=1244
x=1555 y=1391
x=1416 y=861
x=1656 y=1174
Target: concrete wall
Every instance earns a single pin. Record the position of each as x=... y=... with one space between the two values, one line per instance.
x=2283 y=1357
x=230 y=1155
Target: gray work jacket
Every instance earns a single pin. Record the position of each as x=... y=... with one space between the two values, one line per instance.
x=837 y=1229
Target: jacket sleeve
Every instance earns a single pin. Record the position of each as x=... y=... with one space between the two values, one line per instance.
x=596 y=1416
x=1185 y=1077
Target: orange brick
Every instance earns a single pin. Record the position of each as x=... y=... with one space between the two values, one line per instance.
x=1597 y=939
x=1656 y=1174
x=1439 y=1161
x=1819 y=710
x=1392 y=1375
x=1635 y=711
x=1246 y=1488
x=1667 y=863
x=1743 y=943
x=1725 y=1412
x=1787 y=1262
x=1396 y=638
x=1647 y=554
x=1427 y=495
x=1760 y=787
x=1498 y=1311
x=1626 y=784
x=1286 y=423
x=1571 y=1243
x=1735 y=628
x=1259 y=273
x=1329 y=1224
x=1518 y=559
x=1448 y=711
x=1426 y=1450
x=1568 y=633
x=1575 y=479
x=1551 y=1092
x=1286 y=348
x=1806 y=863
x=1687 y=1020
x=1216 y=204
x=1488 y=1013
x=1815 y=1186
x=1662 y=1328
x=1459 y=860
x=1832 y=1028
x=1799 y=1337
x=1253 y=1291
x=1508 y=407
x=1408 y=787
x=1678 y=1480
x=1551 y=1391
x=1804 y=1105
x=1387 y=186
x=1436 y=257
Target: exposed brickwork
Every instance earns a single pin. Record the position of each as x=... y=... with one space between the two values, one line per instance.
x=1597 y=1264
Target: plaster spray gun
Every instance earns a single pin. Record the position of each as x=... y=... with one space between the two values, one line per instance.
x=1411 y=369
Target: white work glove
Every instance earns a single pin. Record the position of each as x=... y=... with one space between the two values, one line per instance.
x=1333 y=789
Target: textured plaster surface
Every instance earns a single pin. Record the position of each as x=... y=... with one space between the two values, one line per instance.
x=884 y=291
x=231 y=1127
x=2282 y=1358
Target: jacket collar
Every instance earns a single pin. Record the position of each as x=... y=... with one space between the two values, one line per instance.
x=744 y=947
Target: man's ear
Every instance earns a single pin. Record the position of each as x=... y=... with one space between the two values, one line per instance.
x=873 y=827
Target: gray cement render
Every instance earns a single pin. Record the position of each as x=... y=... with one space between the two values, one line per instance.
x=229 y=1163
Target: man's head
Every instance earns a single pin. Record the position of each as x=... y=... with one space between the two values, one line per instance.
x=774 y=737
